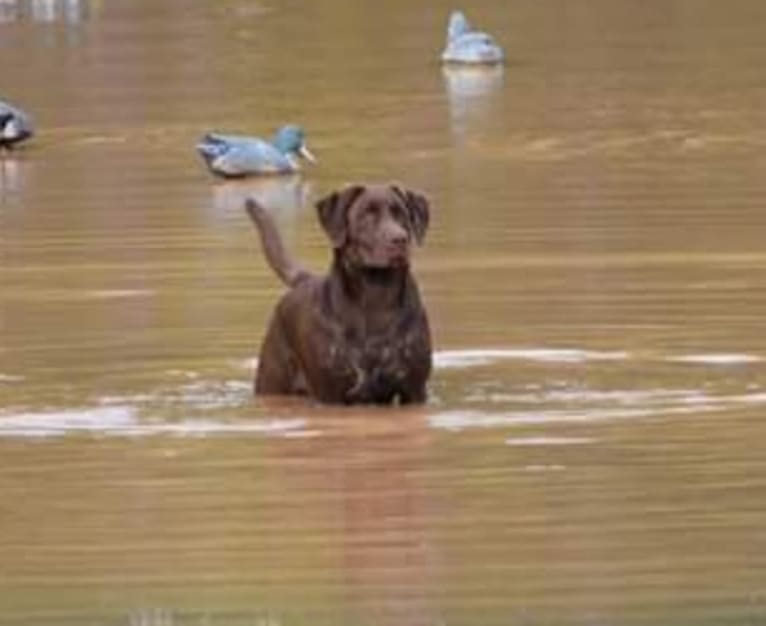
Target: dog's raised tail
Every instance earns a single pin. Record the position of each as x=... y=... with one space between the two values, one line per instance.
x=288 y=270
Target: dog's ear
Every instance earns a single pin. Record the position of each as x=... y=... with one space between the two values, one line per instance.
x=418 y=210
x=333 y=210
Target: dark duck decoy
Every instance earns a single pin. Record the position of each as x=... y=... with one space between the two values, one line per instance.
x=15 y=126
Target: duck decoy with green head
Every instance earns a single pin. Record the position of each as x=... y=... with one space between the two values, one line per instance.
x=236 y=156
x=466 y=45
x=15 y=126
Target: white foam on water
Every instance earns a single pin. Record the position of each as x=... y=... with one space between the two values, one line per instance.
x=123 y=421
x=725 y=402
x=452 y=359
x=108 y=294
x=193 y=393
x=187 y=374
x=474 y=357
x=53 y=423
x=10 y=378
x=617 y=397
x=203 y=428
x=717 y=359
x=548 y=441
x=202 y=394
x=693 y=403
x=545 y=468
x=457 y=421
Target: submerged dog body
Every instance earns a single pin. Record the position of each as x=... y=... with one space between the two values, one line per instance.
x=360 y=333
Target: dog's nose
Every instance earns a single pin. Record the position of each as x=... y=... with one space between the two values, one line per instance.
x=398 y=240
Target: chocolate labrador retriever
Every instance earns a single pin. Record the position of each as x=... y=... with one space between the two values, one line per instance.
x=360 y=333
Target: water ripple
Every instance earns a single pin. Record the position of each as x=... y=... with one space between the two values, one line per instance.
x=685 y=404
x=446 y=359
x=548 y=441
x=474 y=357
x=123 y=421
x=717 y=359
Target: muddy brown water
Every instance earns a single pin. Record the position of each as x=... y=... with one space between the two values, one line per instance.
x=592 y=453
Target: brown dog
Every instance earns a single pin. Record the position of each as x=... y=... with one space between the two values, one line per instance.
x=359 y=334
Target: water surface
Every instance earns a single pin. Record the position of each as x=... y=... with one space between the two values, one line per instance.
x=591 y=451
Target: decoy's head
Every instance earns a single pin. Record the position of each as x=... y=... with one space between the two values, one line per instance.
x=458 y=25
x=291 y=140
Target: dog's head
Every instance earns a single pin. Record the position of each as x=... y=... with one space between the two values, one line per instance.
x=374 y=226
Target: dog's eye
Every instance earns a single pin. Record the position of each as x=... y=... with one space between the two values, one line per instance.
x=399 y=213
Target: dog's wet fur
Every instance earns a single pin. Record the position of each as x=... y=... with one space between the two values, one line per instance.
x=358 y=334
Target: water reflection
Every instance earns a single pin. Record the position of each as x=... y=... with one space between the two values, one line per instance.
x=14 y=175
x=286 y=195
x=283 y=196
x=470 y=91
x=46 y=11
x=151 y=617
x=370 y=469
x=173 y=617
x=8 y=11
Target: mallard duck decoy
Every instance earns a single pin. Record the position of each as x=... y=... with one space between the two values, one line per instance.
x=465 y=45
x=15 y=126
x=235 y=156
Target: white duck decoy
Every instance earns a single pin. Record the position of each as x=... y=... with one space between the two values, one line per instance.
x=15 y=126
x=466 y=45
